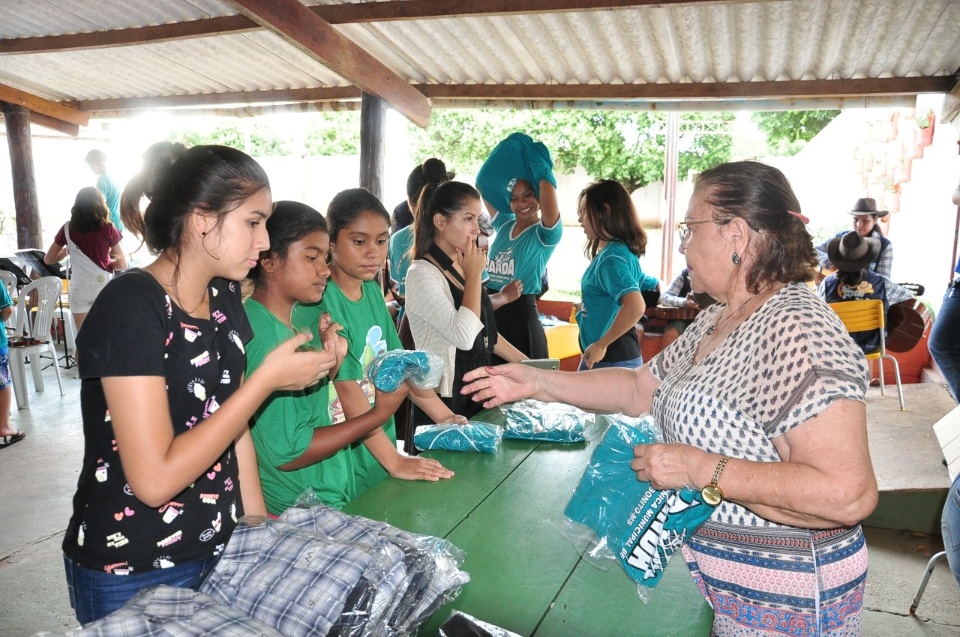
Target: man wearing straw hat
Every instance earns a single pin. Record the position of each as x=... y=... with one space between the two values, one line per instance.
x=865 y=215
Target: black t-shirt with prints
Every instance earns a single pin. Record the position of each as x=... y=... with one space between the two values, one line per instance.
x=135 y=329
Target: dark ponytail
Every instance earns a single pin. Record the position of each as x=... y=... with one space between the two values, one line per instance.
x=446 y=199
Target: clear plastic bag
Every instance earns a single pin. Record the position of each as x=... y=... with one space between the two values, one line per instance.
x=551 y=422
x=614 y=517
x=461 y=624
x=430 y=575
x=420 y=368
x=300 y=583
x=474 y=436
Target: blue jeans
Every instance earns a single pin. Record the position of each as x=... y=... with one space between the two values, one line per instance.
x=633 y=363
x=950 y=525
x=96 y=594
x=944 y=341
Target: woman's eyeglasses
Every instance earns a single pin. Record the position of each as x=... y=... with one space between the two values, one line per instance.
x=683 y=230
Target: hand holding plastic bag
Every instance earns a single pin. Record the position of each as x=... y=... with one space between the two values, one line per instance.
x=613 y=516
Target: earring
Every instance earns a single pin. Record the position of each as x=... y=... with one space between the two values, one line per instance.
x=203 y=234
x=735 y=258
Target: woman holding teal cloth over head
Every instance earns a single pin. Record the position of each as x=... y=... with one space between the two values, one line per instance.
x=611 y=284
x=520 y=191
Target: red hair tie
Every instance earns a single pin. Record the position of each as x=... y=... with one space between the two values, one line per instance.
x=799 y=216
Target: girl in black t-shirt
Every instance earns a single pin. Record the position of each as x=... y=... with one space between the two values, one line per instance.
x=169 y=465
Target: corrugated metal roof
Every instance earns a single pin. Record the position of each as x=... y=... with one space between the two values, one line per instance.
x=694 y=43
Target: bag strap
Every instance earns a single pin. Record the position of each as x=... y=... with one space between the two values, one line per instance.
x=446 y=272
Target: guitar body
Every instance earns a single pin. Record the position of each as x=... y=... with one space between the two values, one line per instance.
x=906 y=323
x=676 y=313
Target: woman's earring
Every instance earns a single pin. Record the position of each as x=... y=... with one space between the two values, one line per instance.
x=735 y=258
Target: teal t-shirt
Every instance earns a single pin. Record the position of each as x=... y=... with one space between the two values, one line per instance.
x=524 y=257
x=111 y=193
x=368 y=328
x=5 y=301
x=399 y=257
x=612 y=273
x=283 y=427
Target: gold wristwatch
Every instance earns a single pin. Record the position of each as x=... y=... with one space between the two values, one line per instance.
x=712 y=494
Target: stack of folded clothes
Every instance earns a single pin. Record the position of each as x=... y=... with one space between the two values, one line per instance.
x=316 y=571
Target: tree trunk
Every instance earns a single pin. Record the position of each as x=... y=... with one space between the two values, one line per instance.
x=17 y=119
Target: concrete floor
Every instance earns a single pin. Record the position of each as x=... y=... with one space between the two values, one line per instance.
x=38 y=477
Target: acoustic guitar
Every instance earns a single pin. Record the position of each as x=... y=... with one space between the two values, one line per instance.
x=906 y=323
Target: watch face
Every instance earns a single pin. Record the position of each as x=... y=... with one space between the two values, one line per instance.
x=712 y=495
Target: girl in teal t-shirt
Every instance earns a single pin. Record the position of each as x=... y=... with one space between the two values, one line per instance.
x=298 y=447
x=612 y=303
x=359 y=231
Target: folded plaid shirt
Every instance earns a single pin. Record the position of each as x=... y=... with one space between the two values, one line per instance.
x=433 y=575
x=164 y=611
x=289 y=578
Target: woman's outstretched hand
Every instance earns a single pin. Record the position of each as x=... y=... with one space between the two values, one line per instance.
x=502 y=384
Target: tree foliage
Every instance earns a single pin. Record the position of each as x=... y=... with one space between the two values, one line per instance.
x=627 y=146
x=788 y=131
x=252 y=138
x=333 y=134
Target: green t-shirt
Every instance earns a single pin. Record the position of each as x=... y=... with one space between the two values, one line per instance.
x=283 y=428
x=368 y=328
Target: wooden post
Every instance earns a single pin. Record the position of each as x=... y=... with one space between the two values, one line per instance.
x=17 y=119
x=372 y=116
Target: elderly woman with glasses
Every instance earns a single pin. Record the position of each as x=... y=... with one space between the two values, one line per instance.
x=761 y=406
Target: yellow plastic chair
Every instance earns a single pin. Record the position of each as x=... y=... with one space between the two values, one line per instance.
x=865 y=316
x=563 y=341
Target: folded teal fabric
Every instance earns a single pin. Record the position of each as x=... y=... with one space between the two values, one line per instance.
x=389 y=369
x=480 y=437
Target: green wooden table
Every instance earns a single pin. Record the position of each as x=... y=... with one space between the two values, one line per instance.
x=504 y=511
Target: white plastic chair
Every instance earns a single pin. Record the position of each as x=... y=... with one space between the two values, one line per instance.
x=9 y=280
x=48 y=292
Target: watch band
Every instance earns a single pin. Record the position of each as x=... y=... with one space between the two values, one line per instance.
x=712 y=494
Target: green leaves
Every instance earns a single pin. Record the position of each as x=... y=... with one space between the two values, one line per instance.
x=627 y=146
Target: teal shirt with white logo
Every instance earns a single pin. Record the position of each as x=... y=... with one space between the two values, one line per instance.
x=614 y=272
x=524 y=257
x=398 y=255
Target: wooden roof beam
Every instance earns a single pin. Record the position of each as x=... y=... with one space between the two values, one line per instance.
x=302 y=28
x=350 y=13
x=583 y=92
x=72 y=130
x=699 y=91
x=202 y=100
x=43 y=106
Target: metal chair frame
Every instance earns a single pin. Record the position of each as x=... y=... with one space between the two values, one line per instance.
x=865 y=316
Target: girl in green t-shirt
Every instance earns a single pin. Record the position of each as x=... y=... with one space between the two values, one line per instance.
x=297 y=446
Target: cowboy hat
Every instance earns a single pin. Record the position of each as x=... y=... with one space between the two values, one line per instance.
x=867 y=206
x=851 y=252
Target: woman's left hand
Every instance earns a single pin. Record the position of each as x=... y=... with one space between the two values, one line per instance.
x=455 y=419
x=667 y=466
